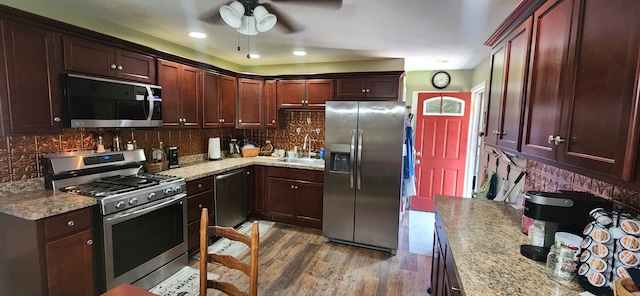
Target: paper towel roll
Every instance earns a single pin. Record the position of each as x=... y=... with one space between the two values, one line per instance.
x=214 y=148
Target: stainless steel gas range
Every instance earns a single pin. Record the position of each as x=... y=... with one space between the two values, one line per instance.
x=140 y=227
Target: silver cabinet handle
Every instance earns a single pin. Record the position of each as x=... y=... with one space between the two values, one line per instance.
x=364 y=90
x=550 y=139
x=199 y=185
x=292 y=187
x=367 y=90
x=240 y=120
x=71 y=223
x=90 y=242
x=57 y=119
x=119 y=67
x=223 y=120
x=248 y=173
x=273 y=121
x=200 y=206
x=455 y=289
x=113 y=66
x=556 y=140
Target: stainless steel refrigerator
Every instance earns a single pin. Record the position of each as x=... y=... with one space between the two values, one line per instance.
x=363 y=173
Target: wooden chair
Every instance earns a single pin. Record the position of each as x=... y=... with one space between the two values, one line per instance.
x=228 y=261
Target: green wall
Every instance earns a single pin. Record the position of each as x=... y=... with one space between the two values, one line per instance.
x=419 y=81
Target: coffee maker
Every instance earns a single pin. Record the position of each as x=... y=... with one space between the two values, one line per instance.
x=566 y=211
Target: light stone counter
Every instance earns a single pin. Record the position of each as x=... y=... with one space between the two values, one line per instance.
x=29 y=200
x=485 y=238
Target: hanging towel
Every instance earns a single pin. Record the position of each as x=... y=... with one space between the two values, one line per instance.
x=493 y=184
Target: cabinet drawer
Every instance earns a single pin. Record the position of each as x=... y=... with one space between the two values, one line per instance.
x=197 y=202
x=67 y=223
x=199 y=185
x=296 y=174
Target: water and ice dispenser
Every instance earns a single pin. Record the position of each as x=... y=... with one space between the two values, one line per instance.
x=339 y=158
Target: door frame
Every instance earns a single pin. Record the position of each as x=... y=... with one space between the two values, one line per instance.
x=477 y=121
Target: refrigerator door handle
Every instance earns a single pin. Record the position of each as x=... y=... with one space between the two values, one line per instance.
x=359 y=161
x=352 y=156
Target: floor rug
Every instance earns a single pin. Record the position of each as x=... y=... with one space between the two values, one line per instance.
x=185 y=282
x=421 y=232
x=226 y=246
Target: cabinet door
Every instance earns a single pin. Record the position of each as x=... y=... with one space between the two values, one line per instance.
x=549 y=54
x=30 y=99
x=351 y=88
x=84 y=56
x=168 y=78
x=270 y=106
x=211 y=100
x=250 y=103
x=259 y=187
x=70 y=265
x=228 y=91
x=382 y=87
x=190 y=96
x=496 y=91
x=599 y=122
x=135 y=66
x=280 y=199
x=318 y=92
x=511 y=108
x=308 y=204
x=291 y=93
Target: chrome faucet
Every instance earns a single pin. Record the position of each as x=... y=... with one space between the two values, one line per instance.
x=304 y=145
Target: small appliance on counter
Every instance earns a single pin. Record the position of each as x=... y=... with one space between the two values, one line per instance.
x=172 y=157
x=214 y=149
x=566 y=211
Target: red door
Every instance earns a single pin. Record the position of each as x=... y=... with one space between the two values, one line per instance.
x=442 y=127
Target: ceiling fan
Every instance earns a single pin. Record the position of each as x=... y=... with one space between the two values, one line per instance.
x=250 y=16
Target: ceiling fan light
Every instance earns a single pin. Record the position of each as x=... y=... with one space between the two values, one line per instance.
x=232 y=13
x=264 y=20
x=248 y=26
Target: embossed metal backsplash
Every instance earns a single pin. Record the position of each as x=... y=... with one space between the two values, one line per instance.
x=20 y=155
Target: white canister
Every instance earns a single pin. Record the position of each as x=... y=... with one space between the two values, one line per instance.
x=214 y=148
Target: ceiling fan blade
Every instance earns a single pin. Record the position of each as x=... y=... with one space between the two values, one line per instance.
x=328 y=3
x=284 y=21
x=212 y=16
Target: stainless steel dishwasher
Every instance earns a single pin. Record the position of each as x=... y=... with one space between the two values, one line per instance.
x=229 y=198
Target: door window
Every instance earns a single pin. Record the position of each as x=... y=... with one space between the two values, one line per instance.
x=443 y=105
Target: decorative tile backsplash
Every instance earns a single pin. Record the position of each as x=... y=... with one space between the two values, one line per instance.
x=543 y=177
x=20 y=155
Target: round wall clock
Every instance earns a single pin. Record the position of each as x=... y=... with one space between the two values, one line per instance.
x=440 y=79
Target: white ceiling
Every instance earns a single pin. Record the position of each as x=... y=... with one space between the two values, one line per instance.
x=420 y=31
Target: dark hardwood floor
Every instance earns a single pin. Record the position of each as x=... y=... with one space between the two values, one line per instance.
x=296 y=261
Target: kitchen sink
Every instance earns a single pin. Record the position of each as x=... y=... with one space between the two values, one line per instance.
x=309 y=161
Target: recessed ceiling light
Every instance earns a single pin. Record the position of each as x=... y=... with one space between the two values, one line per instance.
x=254 y=56
x=300 y=53
x=442 y=61
x=198 y=35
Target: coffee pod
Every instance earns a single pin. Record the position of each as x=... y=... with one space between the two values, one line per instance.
x=599 y=265
x=601 y=216
x=586 y=242
x=583 y=269
x=585 y=256
x=628 y=258
x=599 y=250
x=630 y=226
x=621 y=272
x=630 y=243
x=597 y=279
x=598 y=233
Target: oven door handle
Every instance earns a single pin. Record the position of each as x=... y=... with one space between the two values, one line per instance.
x=144 y=210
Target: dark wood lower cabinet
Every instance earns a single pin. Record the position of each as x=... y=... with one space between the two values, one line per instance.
x=70 y=265
x=444 y=276
x=294 y=196
x=200 y=195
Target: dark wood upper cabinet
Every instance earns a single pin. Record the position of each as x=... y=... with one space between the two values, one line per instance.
x=270 y=104
x=29 y=87
x=304 y=93
x=582 y=93
x=507 y=88
x=219 y=100
x=88 y=57
x=368 y=88
x=181 y=94
x=250 y=103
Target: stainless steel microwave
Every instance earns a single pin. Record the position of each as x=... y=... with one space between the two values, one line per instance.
x=99 y=102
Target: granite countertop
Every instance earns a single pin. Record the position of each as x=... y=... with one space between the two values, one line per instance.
x=485 y=238
x=31 y=201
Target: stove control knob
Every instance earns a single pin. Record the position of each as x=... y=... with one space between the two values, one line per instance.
x=120 y=205
x=177 y=190
x=151 y=196
x=168 y=191
x=133 y=201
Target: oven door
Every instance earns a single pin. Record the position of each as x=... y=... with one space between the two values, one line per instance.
x=143 y=239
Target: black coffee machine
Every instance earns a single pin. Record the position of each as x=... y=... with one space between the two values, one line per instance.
x=566 y=211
